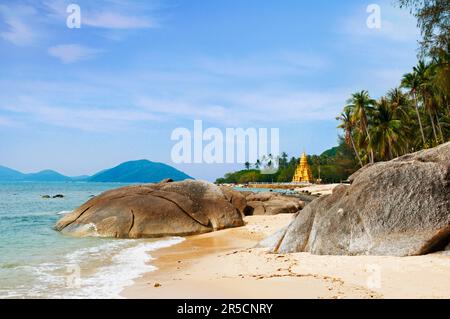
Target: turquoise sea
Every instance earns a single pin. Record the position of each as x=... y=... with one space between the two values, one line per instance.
x=38 y=262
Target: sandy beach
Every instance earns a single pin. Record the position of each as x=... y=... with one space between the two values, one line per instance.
x=225 y=264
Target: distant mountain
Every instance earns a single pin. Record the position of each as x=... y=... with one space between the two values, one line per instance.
x=7 y=174
x=46 y=176
x=10 y=175
x=142 y=171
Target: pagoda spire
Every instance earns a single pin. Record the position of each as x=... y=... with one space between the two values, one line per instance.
x=303 y=172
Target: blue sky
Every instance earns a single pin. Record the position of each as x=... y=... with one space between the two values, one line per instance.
x=80 y=100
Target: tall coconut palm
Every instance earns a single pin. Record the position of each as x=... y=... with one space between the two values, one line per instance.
x=423 y=72
x=398 y=101
x=348 y=125
x=411 y=81
x=441 y=78
x=385 y=130
x=439 y=73
x=360 y=105
x=401 y=106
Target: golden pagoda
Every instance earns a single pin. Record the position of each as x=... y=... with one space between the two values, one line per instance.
x=303 y=172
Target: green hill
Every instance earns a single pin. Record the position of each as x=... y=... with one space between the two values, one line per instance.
x=332 y=152
x=142 y=171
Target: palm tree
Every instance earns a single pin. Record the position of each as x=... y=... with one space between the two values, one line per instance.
x=348 y=125
x=401 y=106
x=283 y=160
x=270 y=162
x=441 y=79
x=399 y=102
x=423 y=72
x=411 y=81
x=360 y=105
x=385 y=130
x=439 y=72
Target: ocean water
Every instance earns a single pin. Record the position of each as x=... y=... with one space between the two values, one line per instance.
x=38 y=262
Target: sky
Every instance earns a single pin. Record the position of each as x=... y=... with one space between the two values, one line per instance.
x=79 y=100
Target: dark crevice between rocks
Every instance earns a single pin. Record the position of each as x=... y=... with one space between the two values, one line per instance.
x=248 y=211
x=439 y=242
x=280 y=241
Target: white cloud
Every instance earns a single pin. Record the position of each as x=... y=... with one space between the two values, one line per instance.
x=120 y=14
x=17 y=31
x=83 y=118
x=291 y=106
x=390 y=77
x=275 y=64
x=182 y=107
x=71 y=53
x=112 y=20
x=253 y=107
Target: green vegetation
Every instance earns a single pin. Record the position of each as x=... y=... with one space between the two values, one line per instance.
x=334 y=165
x=414 y=116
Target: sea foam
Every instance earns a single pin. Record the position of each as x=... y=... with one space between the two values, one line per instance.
x=128 y=264
x=64 y=212
x=103 y=270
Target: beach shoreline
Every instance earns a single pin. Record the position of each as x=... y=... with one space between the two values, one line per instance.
x=226 y=265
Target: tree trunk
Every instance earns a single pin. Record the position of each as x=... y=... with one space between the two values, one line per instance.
x=390 y=150
x=356 y=151
x=418 y=118
x=372 y=159
x=433 y=126
x=440 y=128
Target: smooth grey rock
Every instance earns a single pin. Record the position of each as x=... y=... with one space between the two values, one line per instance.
x=153 y=210
x=398 y=208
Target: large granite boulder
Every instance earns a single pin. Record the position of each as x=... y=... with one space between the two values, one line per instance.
x=154 y=210
x=273 y=204
x=398 y=208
